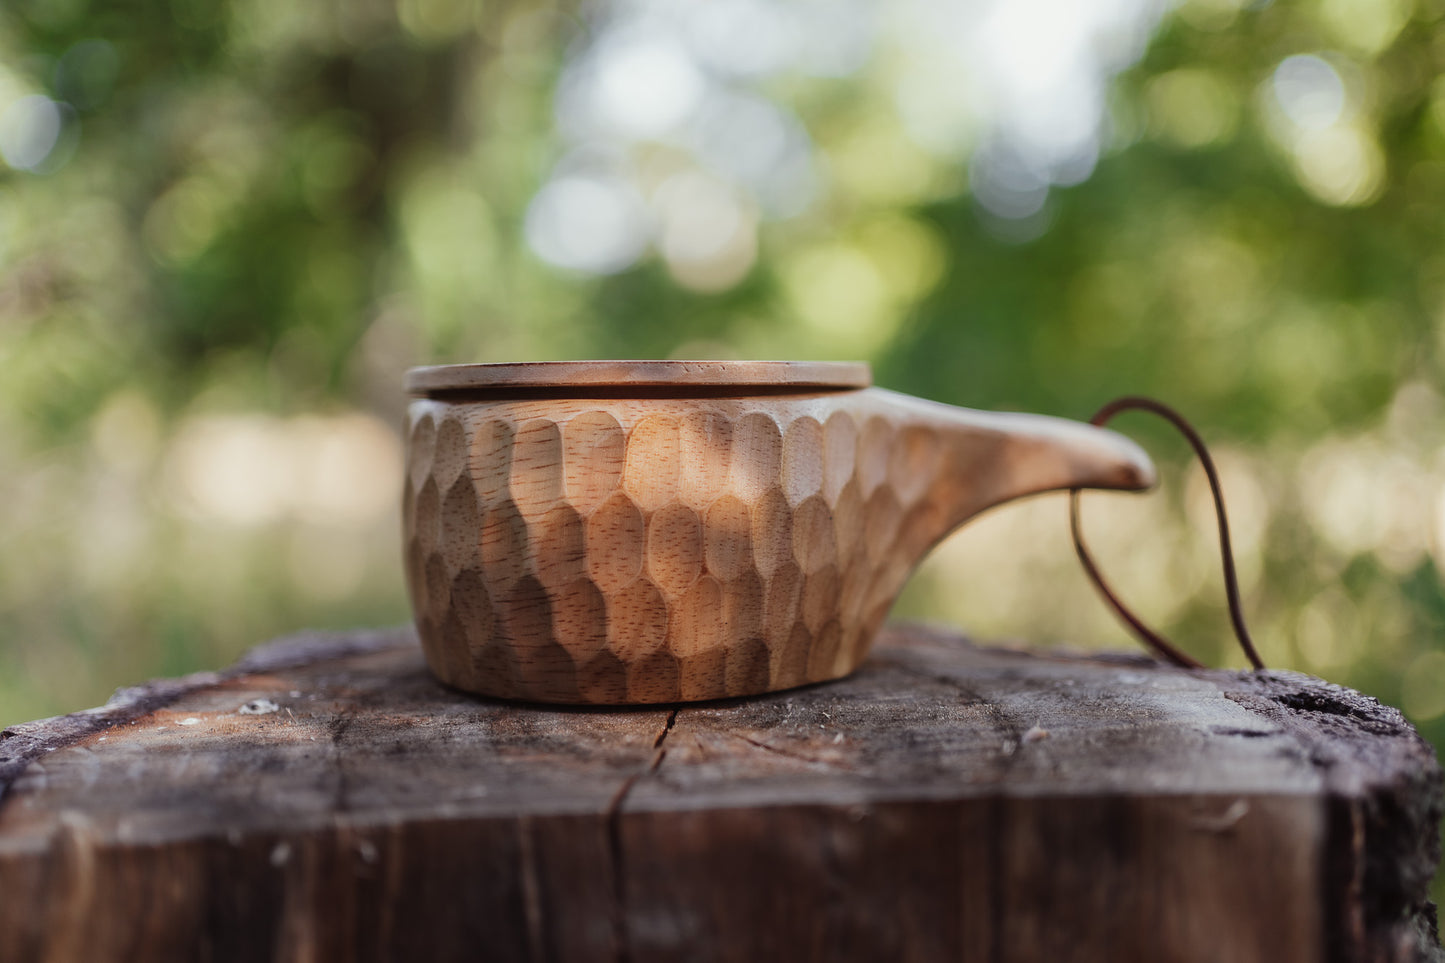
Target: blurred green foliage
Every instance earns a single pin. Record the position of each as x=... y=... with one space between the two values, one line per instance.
x=258 y=213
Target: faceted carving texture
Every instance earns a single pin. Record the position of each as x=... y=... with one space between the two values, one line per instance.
x=616 y=551
x=634 y=551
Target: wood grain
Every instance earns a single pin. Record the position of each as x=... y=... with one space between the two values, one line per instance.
x=755 y=542
x=327 y=798
x=573 y=375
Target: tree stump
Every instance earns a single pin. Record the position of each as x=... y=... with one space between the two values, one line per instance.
x=327 y=799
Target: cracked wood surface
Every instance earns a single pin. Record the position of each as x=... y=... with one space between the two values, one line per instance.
x=327 y=798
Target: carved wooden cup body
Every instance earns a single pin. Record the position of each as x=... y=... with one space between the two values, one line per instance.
x=617 y=533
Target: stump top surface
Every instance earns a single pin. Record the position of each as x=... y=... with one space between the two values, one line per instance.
x=351 y=728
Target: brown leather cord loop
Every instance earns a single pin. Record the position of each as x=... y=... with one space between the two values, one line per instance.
x=1153 y=640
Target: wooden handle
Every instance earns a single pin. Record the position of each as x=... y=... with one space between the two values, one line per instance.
x=986 y=458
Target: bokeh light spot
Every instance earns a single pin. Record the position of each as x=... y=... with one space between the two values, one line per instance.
x=1192 y=107
x=448 y=226
x=1309 y=91
x=909 y=253
x=1340 y=165
x=1006 y=185
x=708 y=235
x=183 y=221
x=30 y=130
x=839 y=292
x=744 y=38
x=585 y=223
x=645 y=81
x=249 y=470
x=1210 y=14
x=1368 y=26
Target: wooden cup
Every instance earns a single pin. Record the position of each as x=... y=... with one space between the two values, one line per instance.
x=616 y=533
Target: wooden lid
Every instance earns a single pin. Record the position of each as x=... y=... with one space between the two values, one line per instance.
x=622 y=375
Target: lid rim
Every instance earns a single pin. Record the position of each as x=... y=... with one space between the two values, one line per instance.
x=641 y=374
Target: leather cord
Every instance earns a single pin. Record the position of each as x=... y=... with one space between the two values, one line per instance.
x=1152 y=639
